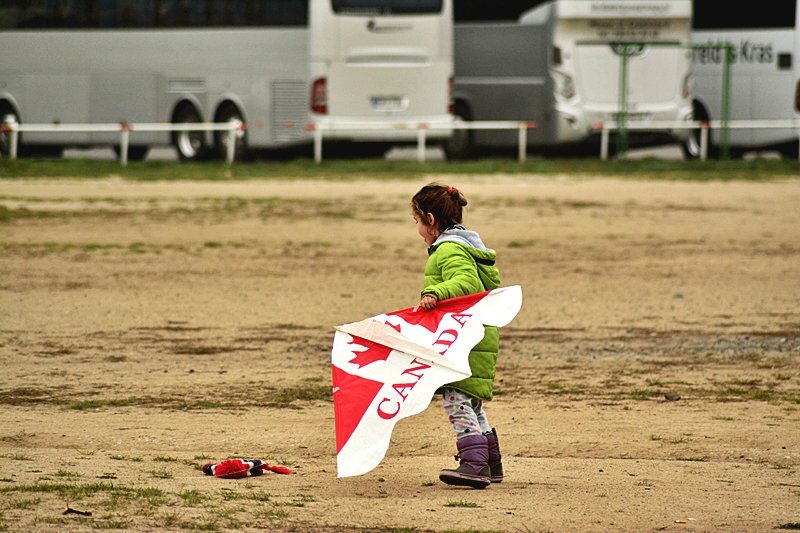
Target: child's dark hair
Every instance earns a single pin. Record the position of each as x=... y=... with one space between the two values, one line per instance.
x=443 y=202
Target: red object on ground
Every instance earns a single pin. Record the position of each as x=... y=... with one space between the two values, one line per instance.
x=240 y=468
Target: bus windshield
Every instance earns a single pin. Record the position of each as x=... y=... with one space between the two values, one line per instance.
x=148 y=14
x=387 y=7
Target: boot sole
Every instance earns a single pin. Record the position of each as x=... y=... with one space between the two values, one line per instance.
x=465 y=480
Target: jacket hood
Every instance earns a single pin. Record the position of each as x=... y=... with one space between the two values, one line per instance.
x=462 y=236
x=484 y=257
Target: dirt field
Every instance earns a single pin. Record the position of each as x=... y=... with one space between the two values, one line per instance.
x=650 y=383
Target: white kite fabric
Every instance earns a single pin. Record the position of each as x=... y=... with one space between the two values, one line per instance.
x=388 y=367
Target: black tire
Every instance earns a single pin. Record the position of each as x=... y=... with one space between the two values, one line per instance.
x=460 y=146
x=229 y=113
x=691 y=146
x=190 y=145
x=135 y=153
x=790 y=150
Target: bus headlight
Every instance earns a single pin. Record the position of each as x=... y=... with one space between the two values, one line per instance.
x=564 y=85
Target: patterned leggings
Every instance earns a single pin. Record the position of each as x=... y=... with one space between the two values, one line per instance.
x=465 y=413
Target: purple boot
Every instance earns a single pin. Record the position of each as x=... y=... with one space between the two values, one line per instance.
x=473 y=471
x=495 y=463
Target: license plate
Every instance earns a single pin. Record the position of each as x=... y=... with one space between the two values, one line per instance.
x=639 y=116
x=389 y=103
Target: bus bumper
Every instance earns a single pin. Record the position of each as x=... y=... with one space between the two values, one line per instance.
x=388 y=130
x=576 y=128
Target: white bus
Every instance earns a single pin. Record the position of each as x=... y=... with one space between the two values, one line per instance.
x=242 y=61
x=559 y=64
x=381 y=61
x=764 y=60
x=153 y=61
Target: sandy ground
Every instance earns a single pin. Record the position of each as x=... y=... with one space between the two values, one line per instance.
x=147 y=328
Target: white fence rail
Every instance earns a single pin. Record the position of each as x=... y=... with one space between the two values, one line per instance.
x=607 y=127
x=422 y=129
x=125 y=129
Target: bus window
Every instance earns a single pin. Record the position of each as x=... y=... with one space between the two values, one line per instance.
x=387 y=7
x=711 y=15
x=478 y=11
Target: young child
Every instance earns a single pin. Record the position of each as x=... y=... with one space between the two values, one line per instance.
x=460 y=264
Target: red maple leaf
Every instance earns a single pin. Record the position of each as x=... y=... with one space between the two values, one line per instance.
x=373 y=352
x=430 y=319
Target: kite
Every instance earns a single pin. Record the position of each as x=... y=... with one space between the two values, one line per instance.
x=388 y=367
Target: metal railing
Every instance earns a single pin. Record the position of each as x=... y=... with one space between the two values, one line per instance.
x=704 y=126
x=422 y=129
x=125 y=130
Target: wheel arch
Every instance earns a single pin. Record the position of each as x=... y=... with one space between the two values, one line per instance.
x=231 y=105
x=8 y=102
x=226 y=102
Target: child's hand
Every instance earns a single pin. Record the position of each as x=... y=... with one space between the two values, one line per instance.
x=428 y=302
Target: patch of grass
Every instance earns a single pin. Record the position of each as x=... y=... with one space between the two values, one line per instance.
x=67 y=474
x=117 y=457
x=462 y=503
x=555 y=387
x=300 y=500
x=471 y=530
x=271 y=513
x=349 y=170
x=308 y=393
x=794 y=526
x=192 y=497
x=111 y=523
x=88 y=405
x=24 y=504
x=521 y=244
x=161 y=474
x=643 y=394
x=18 y=457
x=64 y=490
x=229 y=495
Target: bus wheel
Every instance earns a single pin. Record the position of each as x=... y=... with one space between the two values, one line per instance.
x=230 y=114
x=135 y=153
x=691 y=147
x=190 y=145
x=460 y=145
x=790 y=150
x=7 y=117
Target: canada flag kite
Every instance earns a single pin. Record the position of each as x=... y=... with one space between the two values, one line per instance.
x=388 y=367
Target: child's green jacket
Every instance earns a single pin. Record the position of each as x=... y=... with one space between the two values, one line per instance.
x=459 y=264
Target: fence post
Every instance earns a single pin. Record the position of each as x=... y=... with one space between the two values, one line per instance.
x=317 y=143
x=125 y=139
x=703 y=141
x=230 y=150
x=12 y=149
x=603 y=141
x=522 y=138
x=421 y=127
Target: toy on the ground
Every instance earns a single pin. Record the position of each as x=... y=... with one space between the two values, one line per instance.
x=239 y=468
